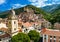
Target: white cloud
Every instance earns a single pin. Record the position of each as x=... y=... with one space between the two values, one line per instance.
x=41 y=3
x=48 y=4
x=2 y=1
x=38 y=3
x=32 y=0
x=17 y=5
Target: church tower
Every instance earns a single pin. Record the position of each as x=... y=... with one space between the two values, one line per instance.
x=13 y=23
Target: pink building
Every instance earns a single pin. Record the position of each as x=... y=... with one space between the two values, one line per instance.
x=50 y=35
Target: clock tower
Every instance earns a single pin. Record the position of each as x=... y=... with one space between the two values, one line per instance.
x=13 y=23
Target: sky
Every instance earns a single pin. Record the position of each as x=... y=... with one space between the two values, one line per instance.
x=8 y=4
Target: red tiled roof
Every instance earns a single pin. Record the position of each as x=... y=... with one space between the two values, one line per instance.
x=27 y=24
x=4 y=29
x=5 y=35
x=51 y=32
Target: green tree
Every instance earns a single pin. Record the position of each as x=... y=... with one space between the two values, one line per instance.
x=20 y=37
x=34 y=35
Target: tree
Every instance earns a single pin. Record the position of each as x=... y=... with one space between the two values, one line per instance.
x=20 y=37
x=34 y=35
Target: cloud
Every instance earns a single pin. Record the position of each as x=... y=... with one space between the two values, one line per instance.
x=32 y=0
x=2 y=1
x=38 y=3
x=42 y=3
x=17 y=5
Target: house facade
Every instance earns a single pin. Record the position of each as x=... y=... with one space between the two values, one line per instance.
x=4 y=37
x=50 y=35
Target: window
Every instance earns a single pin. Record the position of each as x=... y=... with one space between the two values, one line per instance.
x=14 y=22
x=50 y=40
x=50 y=36
x=0 y=39
x=44 y=36
x=22 y=26
x=54 y=36
x=14 y=28
x=9 y=22
x=54 y=40
x=26 y=29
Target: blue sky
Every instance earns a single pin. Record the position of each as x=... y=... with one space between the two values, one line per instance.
x=7 y=4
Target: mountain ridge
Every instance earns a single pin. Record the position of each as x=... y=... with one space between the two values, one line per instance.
x=51 y=8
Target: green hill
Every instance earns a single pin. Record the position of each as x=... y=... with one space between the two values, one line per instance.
x=56 y=14
x=53 y=16
x=20 y=10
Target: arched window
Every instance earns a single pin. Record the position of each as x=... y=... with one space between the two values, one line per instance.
x=14 y=22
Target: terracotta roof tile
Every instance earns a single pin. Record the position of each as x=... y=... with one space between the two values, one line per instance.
x=51 y=32
x=5 y=35
x=27 y=24
x=4 y=29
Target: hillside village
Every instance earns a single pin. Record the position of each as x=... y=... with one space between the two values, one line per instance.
x=26 y=21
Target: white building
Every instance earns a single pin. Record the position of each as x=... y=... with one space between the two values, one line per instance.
x=50 y=35
x=3 y=25
x=4 y=37
x=13 y=24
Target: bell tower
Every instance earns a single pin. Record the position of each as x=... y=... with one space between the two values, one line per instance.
x=13 y=23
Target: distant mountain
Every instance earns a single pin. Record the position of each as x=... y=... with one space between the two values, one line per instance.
x=54 y=10
x=51 y=8
x=20 y=10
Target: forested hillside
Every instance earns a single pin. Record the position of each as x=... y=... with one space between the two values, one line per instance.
x=52 y=17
